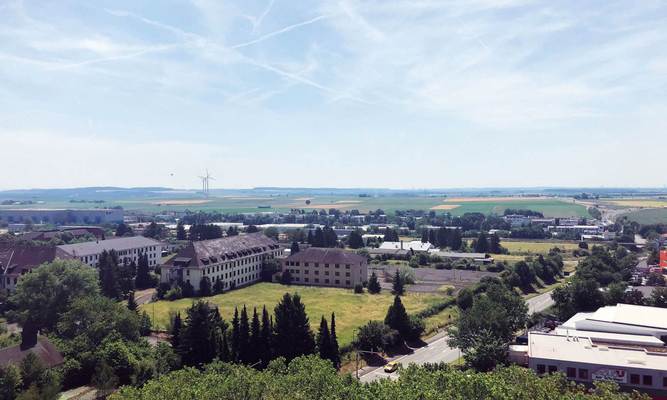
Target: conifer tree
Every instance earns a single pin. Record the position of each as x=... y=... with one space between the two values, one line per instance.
x=398 y=284
x=244 y=337
x=176 y=327
x=374 y=284
x=143 y=279
x=324 y=340
x=255 y=342
x=224 y=351
x=266 y=338
x=293 y=336
x=397 y=318
x=180 y=232
x=235 y=336
x=335 y=349
x=132 y=303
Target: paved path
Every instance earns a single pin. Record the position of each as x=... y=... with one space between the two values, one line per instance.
x=539 y=303
x=144 y=296
x=436 y=351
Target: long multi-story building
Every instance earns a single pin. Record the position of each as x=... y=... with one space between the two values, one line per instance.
x=234 y=260
x=326 y=267
x=128 y=249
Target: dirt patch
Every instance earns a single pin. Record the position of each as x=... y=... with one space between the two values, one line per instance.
x=183 y=202
x=491 y=199
x=445 y=207
x=348 y=202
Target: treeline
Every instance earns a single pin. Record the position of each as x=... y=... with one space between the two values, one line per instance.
x=204 y=336
x=524 y=212
x=608 y=268
x=119 y=280
x=310 y=378
x=525 y=273
x=442 y=237
x=322 y=237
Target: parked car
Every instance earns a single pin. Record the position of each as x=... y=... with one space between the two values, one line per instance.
x=391 y=367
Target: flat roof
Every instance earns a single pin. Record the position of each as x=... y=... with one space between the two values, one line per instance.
x=629 y=314
x=583 y=350
x=612 y=337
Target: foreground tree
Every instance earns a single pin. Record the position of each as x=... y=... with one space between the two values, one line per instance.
x=293 y=336
x=398 y=285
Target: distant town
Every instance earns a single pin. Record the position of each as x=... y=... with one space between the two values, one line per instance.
x=569 y=285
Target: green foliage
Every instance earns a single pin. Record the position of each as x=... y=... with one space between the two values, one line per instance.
x=310 y=378
x=43 y=295
x=200 y=337
x=144 y=279
x=397 y=318
x=292 y=333
x=376 y=336
x=205 y=289
x=355 y=240
x=374 y=284
x=484 y=331
x=398 y=284
x=359 y=288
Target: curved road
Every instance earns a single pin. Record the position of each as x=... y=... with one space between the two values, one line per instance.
x=437 y=350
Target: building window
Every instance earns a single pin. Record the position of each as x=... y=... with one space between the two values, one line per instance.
x=664 y=381
x=326 y=265
x=347 y=274
x=305 y=279
x=634 y=379
x=541 y=368
x=326 y=273
x=571 y=372
x=337 y=282
x=326 y=281
x=553 y=369
x=317 y=280
x=647 y=380
x=347 y=283
x=583 y=373
x=337 y=273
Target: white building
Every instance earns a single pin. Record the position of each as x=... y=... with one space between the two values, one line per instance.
x=622 y=319
x=415 y=245
x=517 y=220
x=128 y=249
x=234 y=260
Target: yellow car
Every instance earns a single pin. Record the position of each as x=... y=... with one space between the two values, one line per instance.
x=391 y=367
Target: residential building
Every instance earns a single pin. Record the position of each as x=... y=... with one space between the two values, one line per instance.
x=516 y=220
x=234 y=260
x=416 y=245
x=18 y=260
x=128 y=249
x=73 y=231
x=61 y=216
x=40 y=346
x=318 y=266
x=576 y=229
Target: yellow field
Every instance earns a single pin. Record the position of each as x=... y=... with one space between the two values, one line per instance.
x=516 y=248
x=445 y=207
x=655 y=203
x=352 y=310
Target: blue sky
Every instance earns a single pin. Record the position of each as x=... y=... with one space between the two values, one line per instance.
x=401 y=94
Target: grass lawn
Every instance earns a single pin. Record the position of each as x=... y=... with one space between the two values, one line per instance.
x=519 y=248
x=352 y=310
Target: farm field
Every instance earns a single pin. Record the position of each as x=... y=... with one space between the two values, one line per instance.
x=527 y=247
x=352 y=310
x=648 y=216
x=456 y=206
x=647 y=203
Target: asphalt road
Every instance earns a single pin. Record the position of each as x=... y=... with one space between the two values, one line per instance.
x=435 y=352
x=539 y=303
x=438 y=351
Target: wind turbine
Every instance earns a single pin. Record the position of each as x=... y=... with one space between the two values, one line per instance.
x=205 y=182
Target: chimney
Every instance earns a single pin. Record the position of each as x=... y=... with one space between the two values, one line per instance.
x=401 y=245
x=28 y=336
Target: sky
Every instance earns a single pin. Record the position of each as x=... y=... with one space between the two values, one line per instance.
x=393 y=94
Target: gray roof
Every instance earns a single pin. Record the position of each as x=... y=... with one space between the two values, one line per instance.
x=205 y=252
x=117 y=244
x=327 y=256
x=451 y=254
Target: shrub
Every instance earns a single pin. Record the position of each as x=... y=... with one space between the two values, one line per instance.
x=358 y=288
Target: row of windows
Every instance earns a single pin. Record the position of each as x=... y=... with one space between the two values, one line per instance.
x=239 y=281
x=316 y=272
x=316 y=265
x=231 y=273
x=317 y=280
x=582 y=374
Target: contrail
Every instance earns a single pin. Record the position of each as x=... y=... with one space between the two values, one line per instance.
x=279 y=32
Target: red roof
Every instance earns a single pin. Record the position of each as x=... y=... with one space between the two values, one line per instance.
x=45 y=351
x=16 y=259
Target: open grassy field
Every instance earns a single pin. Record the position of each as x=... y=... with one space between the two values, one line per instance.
x=528 y=247
x=486 y=205
x=649 y=216
x=352 y=310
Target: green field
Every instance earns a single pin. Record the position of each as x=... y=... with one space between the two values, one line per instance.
x=352 y=310
x=649 y=216
x=550 y=207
